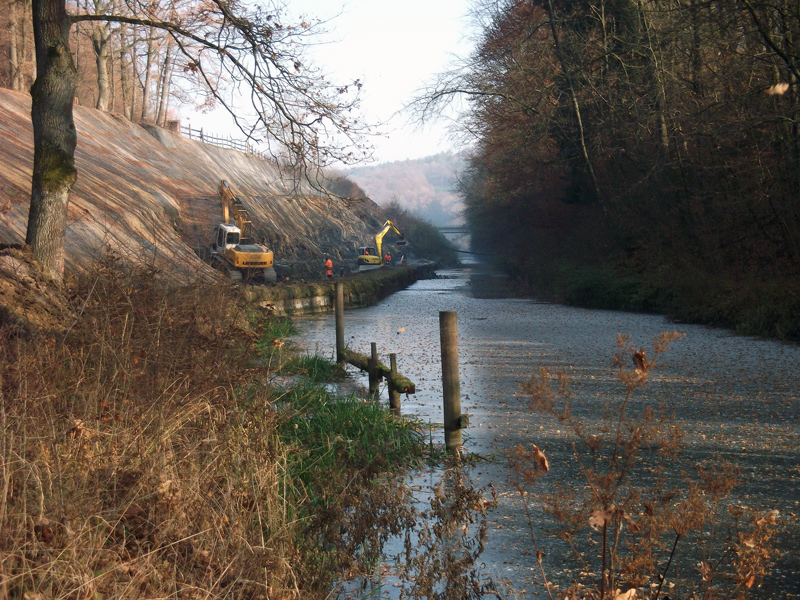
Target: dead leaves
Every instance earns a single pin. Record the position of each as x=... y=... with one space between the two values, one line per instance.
x=600 y=517
x=704 y=569
x=79 y=431
x=779 y=89
x=603 y=516
x=640 y=361
x=527 y=465
x=769 y=518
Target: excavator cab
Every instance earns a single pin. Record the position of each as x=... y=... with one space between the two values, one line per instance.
x=227 y=236
x=368 y=258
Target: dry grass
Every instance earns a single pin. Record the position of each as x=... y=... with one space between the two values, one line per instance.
x=141 y=457
x=127 y=469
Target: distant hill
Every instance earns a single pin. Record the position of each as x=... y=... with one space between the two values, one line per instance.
x=425 y=186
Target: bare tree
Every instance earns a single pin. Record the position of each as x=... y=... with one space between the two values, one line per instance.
x=15 y=24
x=147 y=72
x=20 y=59
x=100 y=33
x=125 y=72
x=223 y=44
x=164 y=84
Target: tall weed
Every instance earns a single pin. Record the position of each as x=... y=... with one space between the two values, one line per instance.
x=639 y=523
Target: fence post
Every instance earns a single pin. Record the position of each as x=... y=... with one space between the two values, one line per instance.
x=339 y=307
x=372 y=371
x=451 y=388
x=394 y=395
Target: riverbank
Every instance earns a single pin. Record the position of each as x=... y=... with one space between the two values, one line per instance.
x=746 y=306
x=167 y=441
x=360 y=290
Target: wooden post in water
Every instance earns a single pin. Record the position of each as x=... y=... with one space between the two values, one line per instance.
x=374 y=380
x=339 y=307
x=451 y=388
x=394 y=395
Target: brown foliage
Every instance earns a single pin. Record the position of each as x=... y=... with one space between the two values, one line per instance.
x=632 y=512
x=123 y=450
x=683 y=127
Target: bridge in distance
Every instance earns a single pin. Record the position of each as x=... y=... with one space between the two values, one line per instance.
x=449 y=230
x=459 y=235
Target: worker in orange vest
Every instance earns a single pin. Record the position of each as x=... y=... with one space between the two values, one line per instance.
x=329 y=267
x=388 y=258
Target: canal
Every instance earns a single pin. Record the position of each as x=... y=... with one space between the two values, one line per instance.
x=736 y=399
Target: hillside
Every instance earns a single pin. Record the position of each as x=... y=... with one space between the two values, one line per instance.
x=149 y=195
x=425 y=187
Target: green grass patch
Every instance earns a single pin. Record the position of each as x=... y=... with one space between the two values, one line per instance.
x=344 y=464
x=278 y=328
x=274 y=337
x=314 y=368
x=329 y=430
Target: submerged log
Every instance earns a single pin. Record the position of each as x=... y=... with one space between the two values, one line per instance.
x=401 y=383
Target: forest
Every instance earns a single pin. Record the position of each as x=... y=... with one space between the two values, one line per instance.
x=638 y=154
x=125 y=69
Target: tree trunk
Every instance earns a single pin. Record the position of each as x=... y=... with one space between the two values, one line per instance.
x=13 y=53
x=54 y=136
x=656 y=75
x=123 y=73
x=133 y=61
x=146 y=76
x=100 y=45
x=164 y=86
x=27 y=56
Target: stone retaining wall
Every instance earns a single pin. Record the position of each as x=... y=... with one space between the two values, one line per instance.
x=360 y=290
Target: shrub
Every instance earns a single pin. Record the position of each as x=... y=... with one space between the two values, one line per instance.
x=637 y=513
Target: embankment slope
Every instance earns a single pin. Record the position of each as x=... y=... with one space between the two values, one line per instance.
x=151 y=196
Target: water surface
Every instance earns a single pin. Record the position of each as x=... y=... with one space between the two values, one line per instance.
x=737 y=398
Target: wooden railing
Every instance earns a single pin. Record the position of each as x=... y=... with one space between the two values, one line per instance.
x=222 y=142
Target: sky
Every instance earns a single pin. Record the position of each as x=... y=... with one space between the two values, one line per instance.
x=394 y=47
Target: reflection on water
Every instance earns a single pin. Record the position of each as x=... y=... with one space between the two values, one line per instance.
x=735 y=397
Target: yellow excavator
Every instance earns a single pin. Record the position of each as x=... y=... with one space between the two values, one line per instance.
x=371 y=257
x=233 y=247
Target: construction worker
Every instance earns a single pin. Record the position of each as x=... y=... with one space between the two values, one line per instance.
x=388 y=258
x=328 y=267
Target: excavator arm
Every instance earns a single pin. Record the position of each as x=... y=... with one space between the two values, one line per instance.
x=232 y=207
x=388 y=226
